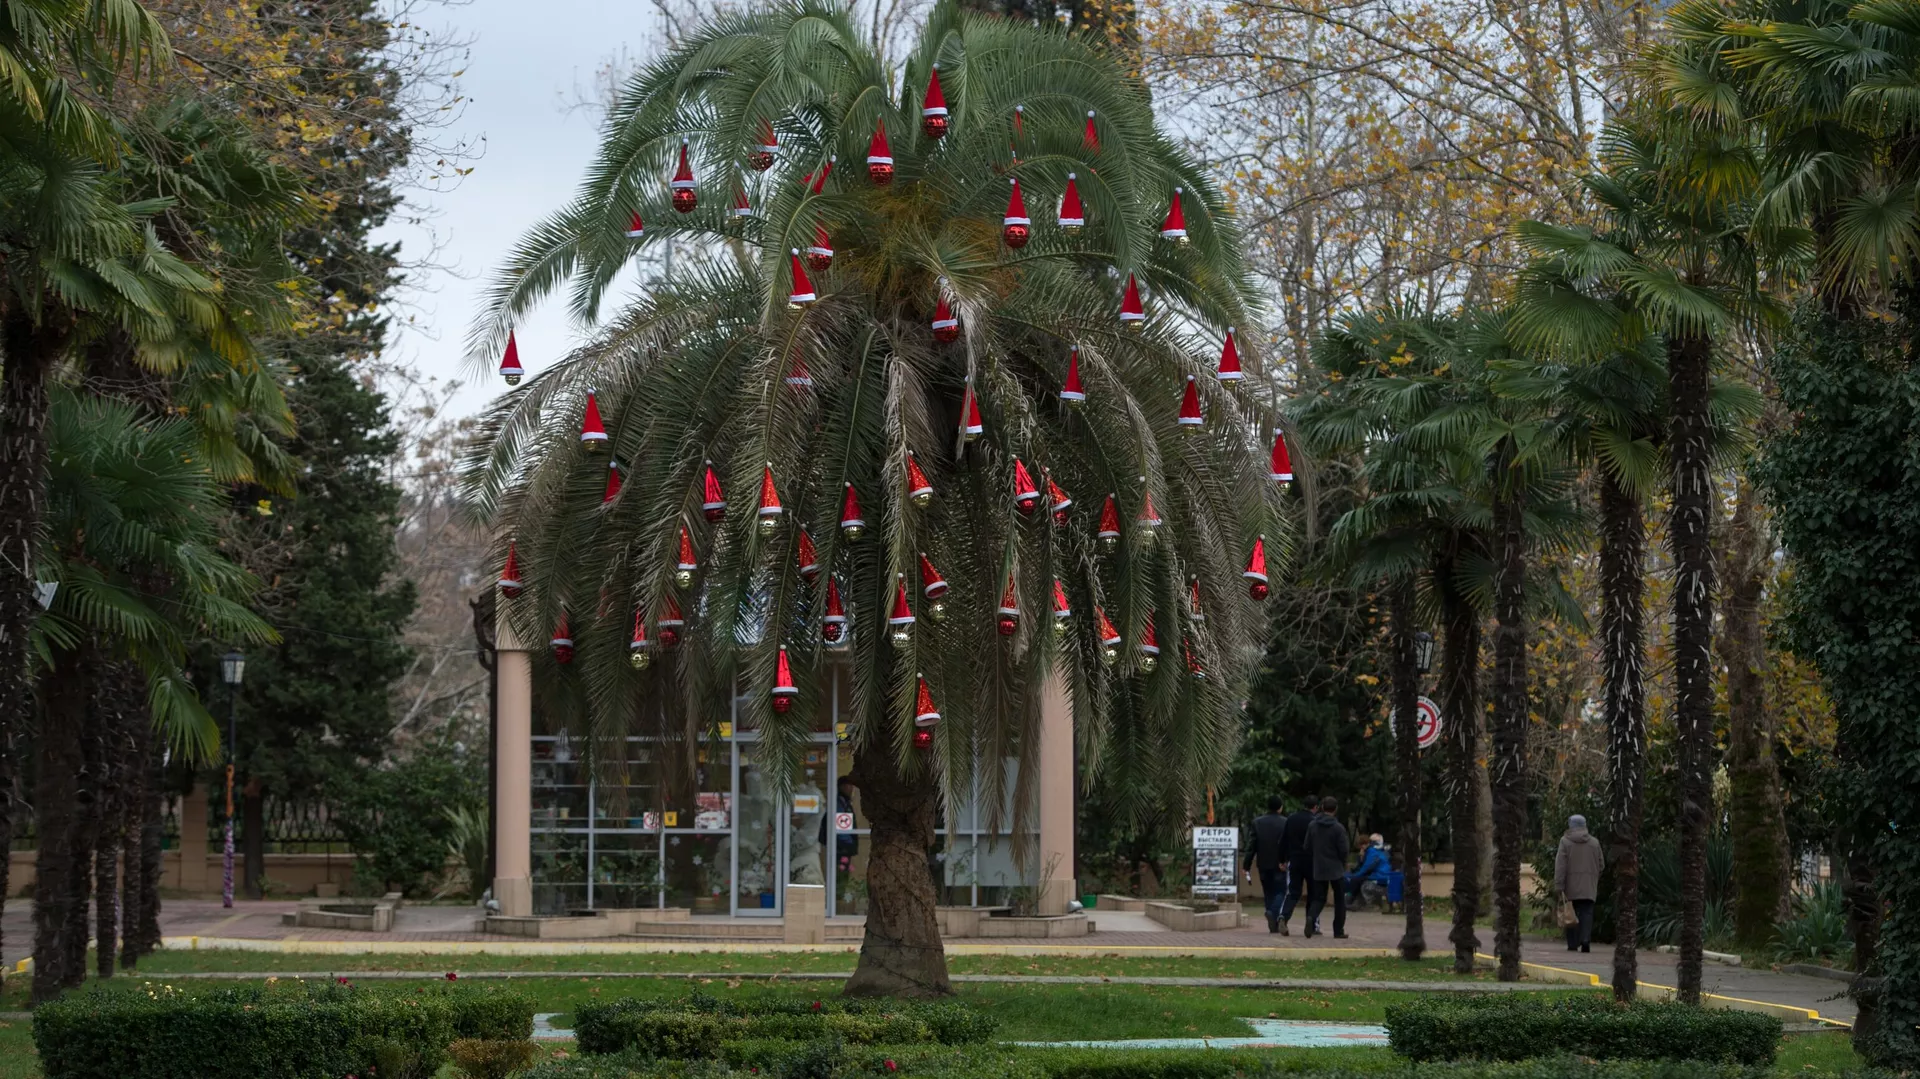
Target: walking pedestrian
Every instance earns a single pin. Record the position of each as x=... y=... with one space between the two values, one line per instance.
x=1576 y=877
x=1327 y=841
x=1298 y=860
x=1264 y=854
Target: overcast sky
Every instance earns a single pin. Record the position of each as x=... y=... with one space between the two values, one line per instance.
x=526 y=60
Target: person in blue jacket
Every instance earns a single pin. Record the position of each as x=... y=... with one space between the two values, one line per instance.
x=1373 y=869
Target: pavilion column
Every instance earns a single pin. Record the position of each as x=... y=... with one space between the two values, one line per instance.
x=1057 y=886
x=513 y=764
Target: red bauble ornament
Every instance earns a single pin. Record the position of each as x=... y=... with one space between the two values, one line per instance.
x=820 y=255
x=1007 y=625
x=669 y=638
x=684 y=197
x=1015 y=227
x=880 y=157
x=933 y=111
x=761 y=156
x=922 y=739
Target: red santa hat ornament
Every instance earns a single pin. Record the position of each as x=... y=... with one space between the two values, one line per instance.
x=510 y=585
x=715 y=505
x=636 y=228
x=880 y=157
x=1281 y=470
x=919 y=491
x=784 y=690
x=1109 y=637
x=1109 y=534
x=1256 y=572
x=933 y=108
x=670 y=623
x=798 y=376
x=510 y=369
x=1057 y=501
x=1229 y=360
x=612 y=490
x=770 y=508
x=802 y=292
x=934 y=588
x=1132 y=314
x=1090 y=141
x=820 y=253
x=924 y=713
x=1026 y=497
x=852 y=524
x=1149 y=647
x=1016 y=226
x=562 y=642
x=684 y=197
x=1007 y=618
x=1072 y=392
x=1062 y=610
x=970 y=425
x=1175 y=226
x=1194 y=611
x=683 y=569
x=640 y=651
x=820 y=179
x=946 y=328
x=833 y=627
x=761 y=156
x=1072 y=215
x=900 y=618
x=807 y=557
x=593 y=433
x=1190 y=420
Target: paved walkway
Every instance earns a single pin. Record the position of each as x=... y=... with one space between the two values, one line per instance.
x=454 y=929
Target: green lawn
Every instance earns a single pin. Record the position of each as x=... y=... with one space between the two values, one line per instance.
x=1375 y=969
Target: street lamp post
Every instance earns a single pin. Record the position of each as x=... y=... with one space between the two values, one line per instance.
x=233 y=667
x=1422 y=652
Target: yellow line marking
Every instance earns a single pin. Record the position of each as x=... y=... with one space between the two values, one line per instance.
x=1719 y=999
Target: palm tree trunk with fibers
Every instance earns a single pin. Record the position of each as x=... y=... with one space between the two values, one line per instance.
x=1509 y=769
x=28 y=357
x=1623 y=543
x=1459 y=702
x=1406 y=739
x=1689 y=362
x=62 y=798
x=1756 y=816
x=901 y=953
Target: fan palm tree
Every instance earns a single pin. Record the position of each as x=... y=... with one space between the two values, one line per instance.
x=1827 y=89
x=128 y=504
x=854 y=394
x=57 y=215
x=1680 y=249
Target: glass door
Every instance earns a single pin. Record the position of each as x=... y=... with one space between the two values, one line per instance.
x=759 y=857
x=810 y=817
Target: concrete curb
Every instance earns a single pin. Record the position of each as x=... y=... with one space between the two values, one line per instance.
x=613 y=947
x=1318 y=984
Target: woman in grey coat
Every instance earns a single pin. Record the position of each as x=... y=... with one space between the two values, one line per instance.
x=1576 y=880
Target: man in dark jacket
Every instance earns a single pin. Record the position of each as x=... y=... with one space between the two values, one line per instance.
x=1264 y=854
x=1294 y=855
x=1328 y=844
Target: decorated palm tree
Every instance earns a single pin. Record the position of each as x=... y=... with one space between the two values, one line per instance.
x=939 y=414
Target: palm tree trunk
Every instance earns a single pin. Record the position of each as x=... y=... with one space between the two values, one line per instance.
x=62 y=796
x=121 y=709
x=1509 y=769
x=137 y=904
x=1756 y=816
x=253 y=835
x=901 y=953
x=1406 y=691
x=27 y=354
x=1689 y=361
x=1459 y=696
x=1623 y=628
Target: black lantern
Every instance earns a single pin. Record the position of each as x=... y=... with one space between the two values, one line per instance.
x=233 y=667
x=1422 y=652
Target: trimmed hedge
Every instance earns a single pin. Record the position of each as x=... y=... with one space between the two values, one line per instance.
x=289 y=1030
x=697 y=1027
x=829 y=1060
x=1520 y=1026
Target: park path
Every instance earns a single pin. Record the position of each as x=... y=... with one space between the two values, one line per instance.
x=422 y=927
